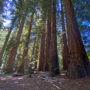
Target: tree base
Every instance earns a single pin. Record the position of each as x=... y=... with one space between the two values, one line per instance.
x=20 y=71
x=76 y=71
x=9 y=71
x=55 y=71
x=88 y=69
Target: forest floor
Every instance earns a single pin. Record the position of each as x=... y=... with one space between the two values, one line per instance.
x=42 y=81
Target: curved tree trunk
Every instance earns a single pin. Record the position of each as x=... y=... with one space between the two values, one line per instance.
x=13 y=51
x=6 y=41
x=65 y=47
x=42 y=50
x=22 y=66
x=54 y=63
x=79 y=65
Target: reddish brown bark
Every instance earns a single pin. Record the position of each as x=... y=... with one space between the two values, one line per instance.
x=48 y=39
x=22 y=66
x=79 y=65
x=42 y=50
x=53 y=50
x=65 y=47
x=13 y=52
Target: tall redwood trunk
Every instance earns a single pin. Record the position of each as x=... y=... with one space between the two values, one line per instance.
x=22 y=66
x=65 y=47
x=13 y=51
x=53 y=50
x=42 y=50
x=6 y=41
x=48 y=39
x=79 y=65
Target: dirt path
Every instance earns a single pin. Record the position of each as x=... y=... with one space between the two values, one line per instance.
x=24 y=83
x=42 y=81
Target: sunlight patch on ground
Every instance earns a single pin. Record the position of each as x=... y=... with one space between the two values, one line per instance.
x=19 y=78
x=2 y=79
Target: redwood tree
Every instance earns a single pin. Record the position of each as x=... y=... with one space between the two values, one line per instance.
x=54 y=63
x=42 y=50
x=48 y=39
x=13 y=51
x=25 y=52
x=79 y=65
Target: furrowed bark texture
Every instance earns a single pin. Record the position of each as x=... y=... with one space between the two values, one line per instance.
x=53 y=50
x=13 y=51
x=79 y=65
x=42 y=50
x=48 y=39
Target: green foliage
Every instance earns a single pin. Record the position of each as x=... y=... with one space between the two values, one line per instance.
x=88 y=53
x=1 y=12
x=2 y=37
x=59 y=46
x=12 y=42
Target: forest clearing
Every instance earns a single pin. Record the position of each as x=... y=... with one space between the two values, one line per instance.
x=44 y=45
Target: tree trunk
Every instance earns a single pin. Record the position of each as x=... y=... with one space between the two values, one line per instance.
x=53 y=50
x=48 y=39
x=79 y=65
x=22 y=66
x=42 y=50
x=13 y=51
x=6 y=41
x=65 y=47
